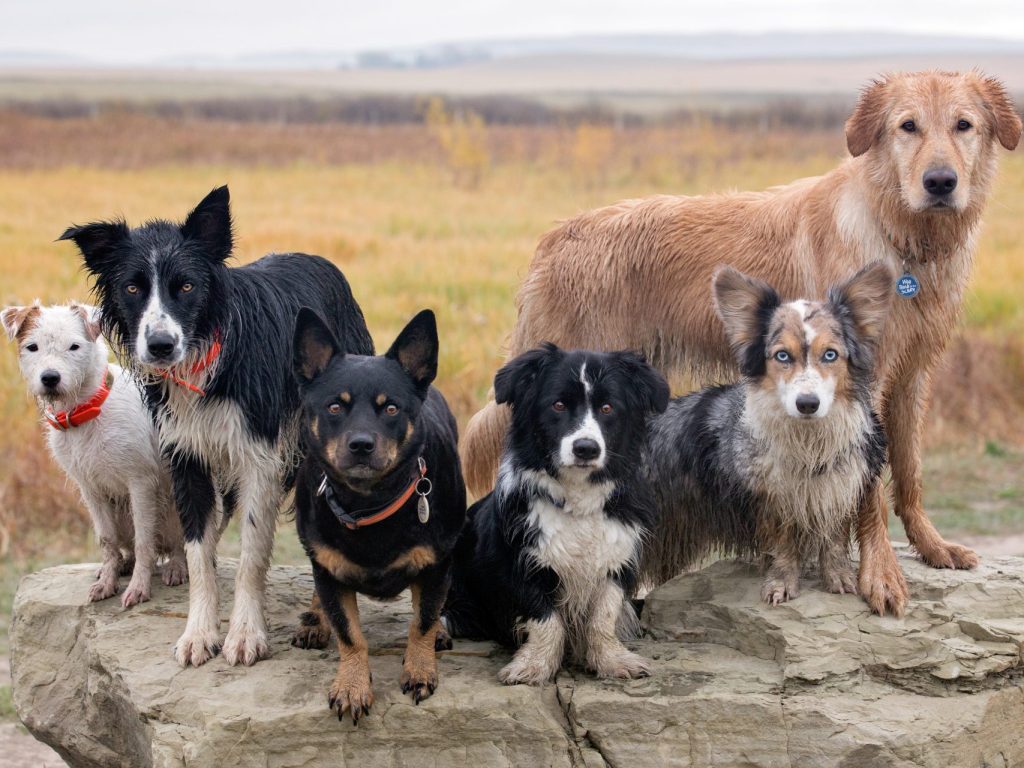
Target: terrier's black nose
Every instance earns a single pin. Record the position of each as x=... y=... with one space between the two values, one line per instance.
x=940 y=181
x=160 y=345
x=361 y=444
x=807 y=404
x=50 y=378
x=586 y=448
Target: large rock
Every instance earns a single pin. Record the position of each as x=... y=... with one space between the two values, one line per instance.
x=818 y=682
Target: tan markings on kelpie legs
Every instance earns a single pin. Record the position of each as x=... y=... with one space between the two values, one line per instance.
x=314 y=631
x=880 y=580
x=352 y=689
x=419 y=669
x=837 y=573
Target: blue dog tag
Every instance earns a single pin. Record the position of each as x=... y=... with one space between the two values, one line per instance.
x=907 y=286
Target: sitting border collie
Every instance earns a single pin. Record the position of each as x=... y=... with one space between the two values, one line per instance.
x=214 y=346
x=101 y=434
x=380 y=498
x=779 y=463
x=549 y=560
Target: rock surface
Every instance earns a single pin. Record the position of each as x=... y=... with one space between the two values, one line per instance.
x=817 y=682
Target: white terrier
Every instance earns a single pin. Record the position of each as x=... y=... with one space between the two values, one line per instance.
x=104 y=438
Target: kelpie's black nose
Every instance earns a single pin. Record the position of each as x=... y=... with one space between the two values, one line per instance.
x=361 y=443
x=50 y=378
x=940 y=181
x=807 y=404
x=585 y=448
x=160 y=345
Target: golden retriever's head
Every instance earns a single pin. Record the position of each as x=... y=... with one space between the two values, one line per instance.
x=933 y=134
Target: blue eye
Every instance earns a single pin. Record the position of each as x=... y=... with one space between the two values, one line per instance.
x=782 y=356
x=830 y=356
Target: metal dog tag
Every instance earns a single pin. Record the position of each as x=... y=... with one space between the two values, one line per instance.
x=423 y=508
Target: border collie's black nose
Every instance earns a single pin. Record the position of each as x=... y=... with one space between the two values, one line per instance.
x=940 y=181
x=585 y=448
x=807 y=404
x=160 y=345
x=361 y=444
x=50 y=378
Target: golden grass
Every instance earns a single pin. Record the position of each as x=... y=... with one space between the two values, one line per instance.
x=407 y=237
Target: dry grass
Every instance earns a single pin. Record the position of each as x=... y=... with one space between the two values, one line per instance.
x=381 y=204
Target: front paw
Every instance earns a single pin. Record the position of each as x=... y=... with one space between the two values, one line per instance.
x=841 y=580
x=105 y=586
x=945 y=554
x=527 y=670
x=175 y=572
x=622 y=664
x=780 y=589
x=137 y=592
x=312 y=632
x=883 y=586
x=246 y=645
x=352 y=689
x=419 y=677
x=196 y=647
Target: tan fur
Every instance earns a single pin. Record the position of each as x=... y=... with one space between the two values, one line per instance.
x=419 y=668
x=352 y=689
x=337 y=564
x=18 y=322
x=416 y=559
x=633 y=275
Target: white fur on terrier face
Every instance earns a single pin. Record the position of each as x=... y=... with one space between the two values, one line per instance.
x=62 y=358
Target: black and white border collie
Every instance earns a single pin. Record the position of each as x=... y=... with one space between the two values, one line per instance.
x=213 y=345
x=549 y=560
x=780 y=462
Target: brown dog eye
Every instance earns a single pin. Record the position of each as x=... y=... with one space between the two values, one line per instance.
x=73 y=347
x=334 y=409
x=909 y=126
x=32 y=347
x=132 y=288
x=559 y=406
x=186 y=287
x=963 y=125
x=606 y=408
x=391 y=410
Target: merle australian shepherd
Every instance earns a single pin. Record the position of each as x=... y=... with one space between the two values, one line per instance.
x=213 y=345
x=781 y=462
x=549 y=560
x=380 y=498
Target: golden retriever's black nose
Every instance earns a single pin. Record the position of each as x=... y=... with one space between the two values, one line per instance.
x=361 y=444
x=585 y=448
x=807 y=404
x=50 y=378
x=940 y=181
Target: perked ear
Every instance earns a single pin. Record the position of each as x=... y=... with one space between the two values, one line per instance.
x=98 y=242
x=516 y=378
x=209 y=224
x=416 y=349
x=866 y=297
x=868 y=118
x=1007 y=121
x=90 y=319
x=650 y=385
x=314 y=346
x=745 y=306
x=13 y=318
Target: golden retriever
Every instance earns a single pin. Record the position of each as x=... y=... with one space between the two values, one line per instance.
x=634 y=275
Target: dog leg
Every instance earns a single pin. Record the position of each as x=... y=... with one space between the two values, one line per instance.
x=782 y=582
x=247 y=640
x=537 y=661
x=904 y=416
x=314 y=630
x=606 y=655
x=352 y=689
x=880 y=581
x=837 y=573
x=145 y=508
x=419 y=667
x=103 y=513
x=196 y=500
x=171 y=541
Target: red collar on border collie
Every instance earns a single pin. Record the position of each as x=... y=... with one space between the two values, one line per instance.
x=83 y=412
x=353 y=523
x=201 y=365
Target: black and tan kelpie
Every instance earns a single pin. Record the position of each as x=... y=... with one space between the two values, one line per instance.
x=379 y=497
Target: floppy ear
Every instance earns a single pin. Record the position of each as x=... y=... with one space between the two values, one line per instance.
x=1004 y=115
x=416 y=349
x=209 y=224
x=865 y=299
x=868 y=118
x=98 y=242
x=651 y=387
x=90 y=319
x=516 y=378
x=745 y=306
x=13 y=318
x=314 y=346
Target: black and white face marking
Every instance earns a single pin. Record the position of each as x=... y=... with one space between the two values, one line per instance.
x=585 y=445
x=160 y=339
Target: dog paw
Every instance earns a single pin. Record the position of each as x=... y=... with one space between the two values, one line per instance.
x=352 y=690
x=135 y=594
x=945 y=554
x=780 y=589
x=175 y=572
x=526 y=671
x=443 y=641
x=246 y=645
x=196 y=647
x=884 y=588
x=102 y=589
x=419 y=679
x=841 y=581
x=311 y=633
x=623 y=664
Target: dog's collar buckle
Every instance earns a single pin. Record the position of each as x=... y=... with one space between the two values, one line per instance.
x=354 y=523
x=83 y=412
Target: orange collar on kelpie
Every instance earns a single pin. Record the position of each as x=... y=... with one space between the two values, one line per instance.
x=354 y=523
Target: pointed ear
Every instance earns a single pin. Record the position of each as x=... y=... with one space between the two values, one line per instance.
x=98 y=242
x=650 y=386
x=868 y=118
x=15 y=319
x=90 y=319
x=416 y=349
x=314 y=346
x=209 y=224
x=515 y=380
x=1000 y=107
x=864 y=300
x=745 y=306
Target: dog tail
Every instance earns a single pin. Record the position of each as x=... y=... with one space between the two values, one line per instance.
x=482 y=445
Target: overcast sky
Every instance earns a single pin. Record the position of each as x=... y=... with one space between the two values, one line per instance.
x=143 y=30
